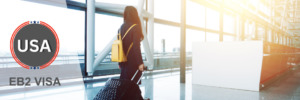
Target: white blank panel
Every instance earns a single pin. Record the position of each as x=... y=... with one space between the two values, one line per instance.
x=228 y=64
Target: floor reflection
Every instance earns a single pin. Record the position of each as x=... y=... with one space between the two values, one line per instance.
x=73 y=92
x=167 y=86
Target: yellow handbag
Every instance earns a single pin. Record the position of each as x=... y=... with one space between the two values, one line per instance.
x=117 y=53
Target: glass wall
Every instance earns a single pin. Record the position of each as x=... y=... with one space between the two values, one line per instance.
x=106 y=27
x=169 y=34
x=228 y=38
x=121 y=2
x=167 y=9
x=228 y=24
x=195 y=14
x=212 y=37
x=193 y=36
x=213 y=20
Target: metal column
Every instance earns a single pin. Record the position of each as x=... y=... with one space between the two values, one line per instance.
x=242 y=29
x=221 y=22
x=236 y=24
x=266 y=35
x=272 y=36
x=205 y=23
x=255 y=31
x=90 y=35
x=182 y=41
x=148 y=52
x=150 y=29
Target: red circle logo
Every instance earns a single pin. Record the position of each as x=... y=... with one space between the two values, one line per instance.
x=34 y=45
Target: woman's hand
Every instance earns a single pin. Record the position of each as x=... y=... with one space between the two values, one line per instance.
x=141 y=67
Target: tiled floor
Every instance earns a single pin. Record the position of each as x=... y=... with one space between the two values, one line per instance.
x=167 y=87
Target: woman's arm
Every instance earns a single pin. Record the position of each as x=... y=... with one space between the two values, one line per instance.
x=136 y=48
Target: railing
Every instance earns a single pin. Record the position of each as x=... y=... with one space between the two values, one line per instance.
x=9 y=62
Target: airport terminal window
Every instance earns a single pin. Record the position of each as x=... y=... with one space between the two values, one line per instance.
x=167 y=9
x=106 y=27
x=212 y=18
x=169 y=34
x=228 y=38
x=288 y=41
x=125 y=2
x=283 y=40
x=228 y=23
x=275 y=38
x=249 y=30
x=212 y=37
x=258 y=33
x=264 y=8
x=195 y=14
x=270 y=36
x=253 y=3
x=280 y=40
x=193 y=36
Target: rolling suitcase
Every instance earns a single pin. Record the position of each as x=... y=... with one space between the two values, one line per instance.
x=120 y=89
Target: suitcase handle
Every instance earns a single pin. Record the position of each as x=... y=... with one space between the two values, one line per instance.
x=135 y=75
x=140 y=77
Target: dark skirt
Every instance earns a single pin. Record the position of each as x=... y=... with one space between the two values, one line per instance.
x=127 y=72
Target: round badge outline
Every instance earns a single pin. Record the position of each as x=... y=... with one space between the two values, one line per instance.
x=12 y=45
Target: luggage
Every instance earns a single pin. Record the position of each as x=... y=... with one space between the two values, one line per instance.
x=120 y=89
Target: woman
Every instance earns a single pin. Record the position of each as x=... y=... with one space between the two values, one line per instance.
x=134 y=36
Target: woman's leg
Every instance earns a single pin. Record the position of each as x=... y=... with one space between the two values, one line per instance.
x=127 y=73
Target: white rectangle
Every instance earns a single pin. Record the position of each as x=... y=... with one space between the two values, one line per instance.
x=228 y=64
